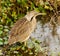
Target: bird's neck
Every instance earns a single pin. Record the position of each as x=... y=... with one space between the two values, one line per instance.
x=28 y=17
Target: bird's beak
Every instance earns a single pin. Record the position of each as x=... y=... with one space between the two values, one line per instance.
x=37 y=13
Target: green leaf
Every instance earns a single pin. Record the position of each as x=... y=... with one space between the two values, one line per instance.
x=32 y=6
x=6 y=42
x=46 y=3
x=1 y=39
x=5 y=38
x=1 y=32
x=16 y=52
x=1 y=43
x=6 y=30
x=36 y=9
x=6 y=27
x=41 y=8
x=23 y=48
x=18 y=1
x=1 y=52
x=30 y=52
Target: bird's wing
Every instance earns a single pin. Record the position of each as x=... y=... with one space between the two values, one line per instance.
x=17 y=25
x=21 y=30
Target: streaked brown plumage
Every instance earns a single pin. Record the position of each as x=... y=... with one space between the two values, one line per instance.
x=22 y=29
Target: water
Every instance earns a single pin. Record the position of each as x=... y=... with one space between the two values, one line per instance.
x=50 y=42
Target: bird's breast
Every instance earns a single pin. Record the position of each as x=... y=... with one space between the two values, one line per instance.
x=21 y=30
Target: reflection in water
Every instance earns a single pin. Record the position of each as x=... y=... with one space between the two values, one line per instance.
x=49 y=42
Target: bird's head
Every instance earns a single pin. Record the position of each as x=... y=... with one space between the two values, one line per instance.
x=30 y=15
x=33 y=14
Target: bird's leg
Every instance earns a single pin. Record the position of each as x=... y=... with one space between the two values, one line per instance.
x=25 y=42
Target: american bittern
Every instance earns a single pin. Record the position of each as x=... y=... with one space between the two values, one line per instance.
x=23 y=28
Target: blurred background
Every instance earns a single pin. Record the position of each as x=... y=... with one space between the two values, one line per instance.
x=11 y=11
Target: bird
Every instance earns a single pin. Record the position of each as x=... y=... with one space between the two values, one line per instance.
x=23 y=28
